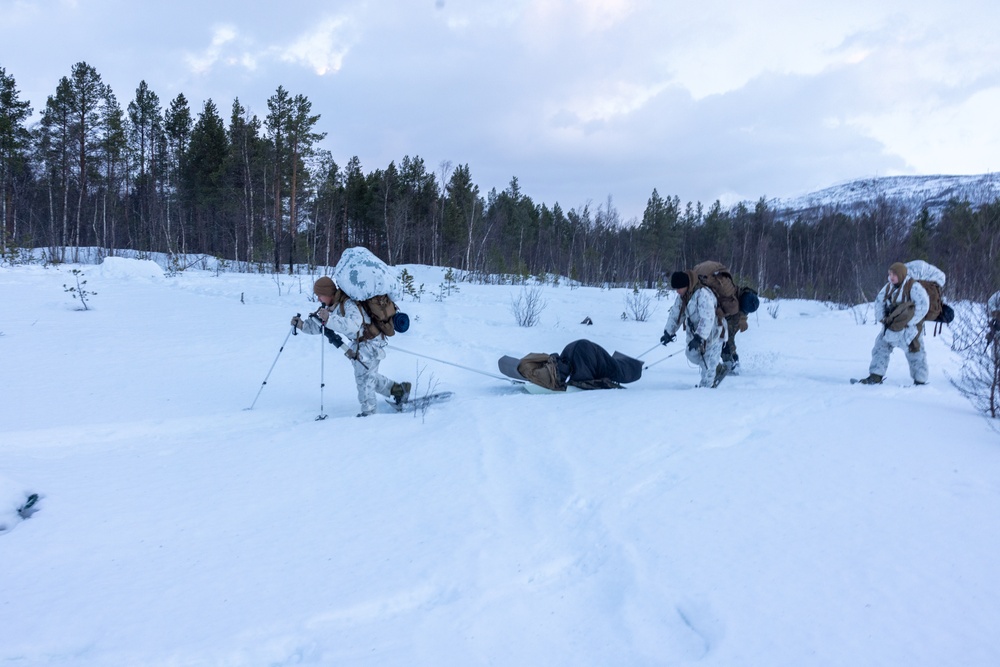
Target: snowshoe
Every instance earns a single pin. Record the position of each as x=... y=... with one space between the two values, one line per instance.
x=420 y=402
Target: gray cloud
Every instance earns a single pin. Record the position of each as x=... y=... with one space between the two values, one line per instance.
x=579 y=99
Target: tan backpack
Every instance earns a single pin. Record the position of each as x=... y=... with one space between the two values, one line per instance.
x=717 y=278
x=541 y=369
x=934 y=296
x=380 y=310
x=938 y=311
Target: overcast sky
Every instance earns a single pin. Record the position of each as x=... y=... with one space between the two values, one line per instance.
x=581 y=100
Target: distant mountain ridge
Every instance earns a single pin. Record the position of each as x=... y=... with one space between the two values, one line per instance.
x=913 y=192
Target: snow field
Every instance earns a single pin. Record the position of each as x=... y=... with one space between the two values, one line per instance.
x=785 y=518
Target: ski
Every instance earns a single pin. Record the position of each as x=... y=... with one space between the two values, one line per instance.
x=420 y=402
x=508 y=366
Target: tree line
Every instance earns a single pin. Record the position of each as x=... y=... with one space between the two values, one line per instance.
x=263 y=194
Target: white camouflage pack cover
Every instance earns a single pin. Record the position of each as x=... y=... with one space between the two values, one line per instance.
x=362 y=275
x=918 y=269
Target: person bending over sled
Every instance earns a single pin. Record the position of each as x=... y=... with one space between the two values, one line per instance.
x=903 y=303
x=340 y=313
x=695 y=309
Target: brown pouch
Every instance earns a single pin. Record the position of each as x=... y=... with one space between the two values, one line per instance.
x=899 y=316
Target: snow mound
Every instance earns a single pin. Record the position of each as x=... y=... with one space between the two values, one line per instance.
x=13 y=496
x=121 y=267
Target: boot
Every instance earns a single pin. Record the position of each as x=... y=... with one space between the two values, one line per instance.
x=874 y=378
x=720 y=372
x=732 y=364
x=400 y=392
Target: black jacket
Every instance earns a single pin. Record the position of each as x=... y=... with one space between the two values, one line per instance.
x=589 y=366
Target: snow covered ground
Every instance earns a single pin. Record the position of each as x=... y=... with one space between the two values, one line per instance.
x=785 y=518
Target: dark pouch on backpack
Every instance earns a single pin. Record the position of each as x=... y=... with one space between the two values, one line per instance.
x=749 y=301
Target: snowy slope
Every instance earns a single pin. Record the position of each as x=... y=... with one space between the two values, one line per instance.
x=913 y=192
x=786 y=518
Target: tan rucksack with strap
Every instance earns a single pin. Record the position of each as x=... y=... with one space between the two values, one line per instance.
x=938 y=311
x=933 y=296
x=380 y=310
x=717 y=278
x=541 y=369
x=933 y=281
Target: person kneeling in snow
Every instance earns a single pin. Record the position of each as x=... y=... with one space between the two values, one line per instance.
x=341 y=313
x=695 y=310
x=582 y=364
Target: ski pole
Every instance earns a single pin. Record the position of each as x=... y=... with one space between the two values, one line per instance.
x=442 y=361
x=648 y=351
x=322 y=376
x=272 y=367
x=673 y=354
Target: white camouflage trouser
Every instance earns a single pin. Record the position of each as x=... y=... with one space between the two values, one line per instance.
x=917 y=360
x=370 y=382
x=707 y=363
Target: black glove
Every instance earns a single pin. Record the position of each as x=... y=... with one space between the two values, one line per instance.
x=994 y=325
x=697 y=344
x=321 y=316
x=332 y=336
x=667 y=338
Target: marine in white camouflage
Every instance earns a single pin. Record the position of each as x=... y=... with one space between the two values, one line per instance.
x=705 y=334
x=908 y=337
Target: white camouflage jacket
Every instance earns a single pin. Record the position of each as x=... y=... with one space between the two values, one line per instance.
x=890 y=296
x=351 y=326
x=699 y=316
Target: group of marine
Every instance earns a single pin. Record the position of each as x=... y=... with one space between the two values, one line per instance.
x=709 y=307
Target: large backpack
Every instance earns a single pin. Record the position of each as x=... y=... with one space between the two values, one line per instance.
x=933 y=280
x=936 y=307
x=372 y=284
x=542 y=369
x=381 y=311
x=717 y=278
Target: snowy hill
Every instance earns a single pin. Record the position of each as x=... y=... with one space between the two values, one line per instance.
x=785 y=518
x=912 y=192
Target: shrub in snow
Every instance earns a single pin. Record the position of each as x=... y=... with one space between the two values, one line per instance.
x=638 y=305
x=528 y=306
x=79 y=291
